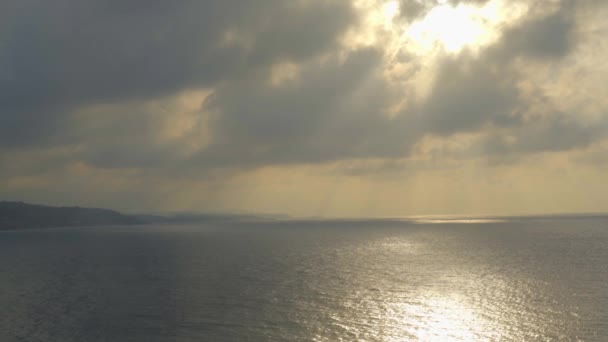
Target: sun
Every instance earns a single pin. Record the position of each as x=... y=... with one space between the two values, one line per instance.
x=444 y=28
x=390 y=10
x=451 y=28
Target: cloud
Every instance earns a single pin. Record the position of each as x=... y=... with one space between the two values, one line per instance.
x=185 y=94
x=469 y=93
x=412 y=9
x=331 y=111
x=57 y=57
x=549 y=36
x=555 y=133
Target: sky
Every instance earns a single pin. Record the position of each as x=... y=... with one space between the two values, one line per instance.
x=306 y=107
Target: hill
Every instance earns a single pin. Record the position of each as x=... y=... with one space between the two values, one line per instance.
x=19 y=215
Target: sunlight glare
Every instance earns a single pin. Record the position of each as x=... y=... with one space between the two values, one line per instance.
x=444 y=318
x=452 y=28
x=389 y=11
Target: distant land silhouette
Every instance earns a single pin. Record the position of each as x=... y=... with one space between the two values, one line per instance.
x=20 y=215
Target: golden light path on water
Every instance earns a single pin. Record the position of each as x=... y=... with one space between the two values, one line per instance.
x=442 y=319
x=430 y=313
x=446 y=280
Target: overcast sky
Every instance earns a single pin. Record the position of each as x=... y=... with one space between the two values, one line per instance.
x=308 y=107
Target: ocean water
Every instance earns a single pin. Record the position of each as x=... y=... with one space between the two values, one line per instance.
x=521 y=279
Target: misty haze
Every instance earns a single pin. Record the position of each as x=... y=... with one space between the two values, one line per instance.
x=318 y=170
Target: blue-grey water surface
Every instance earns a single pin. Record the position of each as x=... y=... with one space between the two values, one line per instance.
x=436 y=280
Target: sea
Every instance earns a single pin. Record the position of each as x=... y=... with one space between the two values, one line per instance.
x=423 y=279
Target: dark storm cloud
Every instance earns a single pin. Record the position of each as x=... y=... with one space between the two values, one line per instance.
x=97 y=50
x=467 y=94
x=134 y=139
x=61 y=54
x=554 y=133
x=551 y=36
x=57 y=57
x=26 y=128
x=331 y=111
x=306 y=122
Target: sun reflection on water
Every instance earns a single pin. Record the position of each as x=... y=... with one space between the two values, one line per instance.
x=458 y=221
x=435 y=318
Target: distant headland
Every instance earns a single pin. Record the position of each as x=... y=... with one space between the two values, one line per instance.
x=20 y=215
